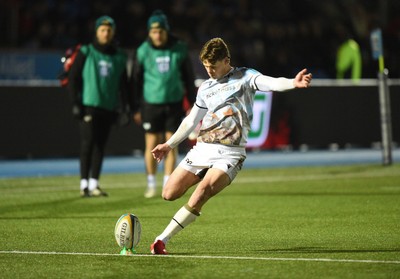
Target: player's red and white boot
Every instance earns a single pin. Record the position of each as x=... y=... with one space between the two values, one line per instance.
x=158 y=248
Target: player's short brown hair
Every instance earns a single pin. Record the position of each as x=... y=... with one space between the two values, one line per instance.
x=214 y=50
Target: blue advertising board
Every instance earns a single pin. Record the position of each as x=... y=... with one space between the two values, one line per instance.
x=28 y=66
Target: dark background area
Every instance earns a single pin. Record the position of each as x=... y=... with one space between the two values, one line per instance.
x=275 y=37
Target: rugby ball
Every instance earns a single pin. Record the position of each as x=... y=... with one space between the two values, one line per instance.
x=127 y=231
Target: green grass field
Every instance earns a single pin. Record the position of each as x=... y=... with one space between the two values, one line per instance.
x=309 y=222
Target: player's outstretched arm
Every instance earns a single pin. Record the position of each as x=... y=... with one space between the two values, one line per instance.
x=302 y=79
x=160 y=151
x=267 y=83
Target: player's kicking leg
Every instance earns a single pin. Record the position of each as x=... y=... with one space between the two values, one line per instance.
x=214 y=181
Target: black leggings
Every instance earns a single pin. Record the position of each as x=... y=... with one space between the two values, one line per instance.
x=95 y=128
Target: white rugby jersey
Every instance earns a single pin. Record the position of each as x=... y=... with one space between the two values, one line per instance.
x=229 y=103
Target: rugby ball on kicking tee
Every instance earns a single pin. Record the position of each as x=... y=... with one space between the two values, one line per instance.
x=127 y=231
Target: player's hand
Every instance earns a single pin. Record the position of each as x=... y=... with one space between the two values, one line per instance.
x=160 y=151
x=302 y=79
x=137 y=118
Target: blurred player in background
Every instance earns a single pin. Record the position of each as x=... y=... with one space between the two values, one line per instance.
x=163 y=74
x=98 y=84
x=224 y=104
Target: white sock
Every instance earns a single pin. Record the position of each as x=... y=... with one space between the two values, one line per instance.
x=165 y=179
x=93 y=183
x=151 y=181
x=84 y=184
x=182 y=218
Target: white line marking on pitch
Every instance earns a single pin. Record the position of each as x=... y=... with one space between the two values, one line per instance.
x=206 y=257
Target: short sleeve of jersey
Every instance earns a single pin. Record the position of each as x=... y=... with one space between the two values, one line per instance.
x=199 y=99
x=252 y=76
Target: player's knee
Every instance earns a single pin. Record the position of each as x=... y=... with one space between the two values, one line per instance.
x=169 y=195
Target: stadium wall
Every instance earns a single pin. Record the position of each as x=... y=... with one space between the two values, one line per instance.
x=36 y=122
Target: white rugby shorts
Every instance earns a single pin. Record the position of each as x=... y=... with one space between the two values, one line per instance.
x=204 y=156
